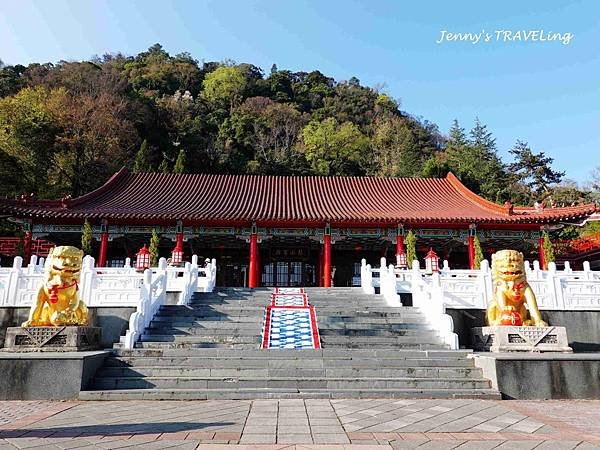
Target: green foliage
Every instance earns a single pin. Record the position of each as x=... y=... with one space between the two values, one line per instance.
x=533 y=170
x=411 y=247
x=87 y=238
x=224 y=86
x=66 y=127
x=163 y=167
x=478 y=253
x=475 y=161
x=142 y=159
x=396 y=149
x=334 y=149
x=180 y=163
x=153 y=248
x=548 y=249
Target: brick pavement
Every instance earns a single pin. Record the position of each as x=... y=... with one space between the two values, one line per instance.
x=325 y=424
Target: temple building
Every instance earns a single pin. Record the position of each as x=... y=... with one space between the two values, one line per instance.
x=288 y=231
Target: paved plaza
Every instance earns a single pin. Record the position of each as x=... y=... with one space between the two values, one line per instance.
x=278 y=424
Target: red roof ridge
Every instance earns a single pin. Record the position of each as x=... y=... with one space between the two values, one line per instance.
x=102 y=189
x=472 y=196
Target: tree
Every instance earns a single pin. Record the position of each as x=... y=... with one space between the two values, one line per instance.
x=396 y=152
x=411 y=247
x=153 y=249
x=548 y=250
x=533 y=170
x=478 y=253
x=180 y=163
x=224 y=87
x=142 y=159
x=28 y=131
x=333 y=149
x=260 y=136
x=163 y=167
x=87 y=238
x=475 y=161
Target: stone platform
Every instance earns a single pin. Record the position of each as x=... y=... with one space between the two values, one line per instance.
x=521 y=339
x=47 y=375
x=52 y=339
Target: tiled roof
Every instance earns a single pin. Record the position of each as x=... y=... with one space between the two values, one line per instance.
x=245 y=198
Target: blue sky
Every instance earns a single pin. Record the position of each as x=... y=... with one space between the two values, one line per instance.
x=546 y=93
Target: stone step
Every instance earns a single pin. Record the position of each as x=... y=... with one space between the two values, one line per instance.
x=187 y=345
x=243 y=394
x=200 y=338
x=283 y=363
x=373 y=353
x=302 y=372
x=374 y=341
x=329 y=325
x=300 y=383
x=424 y=334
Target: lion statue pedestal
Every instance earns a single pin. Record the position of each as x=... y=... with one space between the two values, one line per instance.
x=58 y=319
x=514 y=320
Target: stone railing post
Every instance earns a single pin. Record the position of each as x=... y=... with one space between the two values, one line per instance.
x=86 y=280
x=13 y=281
x=587 y=272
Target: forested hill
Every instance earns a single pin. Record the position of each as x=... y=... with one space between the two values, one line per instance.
x=66 y=127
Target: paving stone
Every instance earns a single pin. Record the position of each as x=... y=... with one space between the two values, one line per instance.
x=258 y=439
x=479 y=445
x=405 y=445
x=295 y=439
x=558 y=445
x=518 y=445
x=340 y=438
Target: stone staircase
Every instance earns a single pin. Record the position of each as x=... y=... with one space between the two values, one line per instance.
x=210 y=349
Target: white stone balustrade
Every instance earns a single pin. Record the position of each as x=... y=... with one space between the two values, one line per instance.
x=104 y=286
x=472 y=289
x=153 y=295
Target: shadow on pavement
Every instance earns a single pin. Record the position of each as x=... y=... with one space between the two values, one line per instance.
x=120 y=429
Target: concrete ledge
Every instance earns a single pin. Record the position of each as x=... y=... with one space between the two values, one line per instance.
x=542 y=376
x=47 y=376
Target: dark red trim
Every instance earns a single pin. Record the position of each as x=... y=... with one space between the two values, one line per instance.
x=267 y=327
x=315 y=328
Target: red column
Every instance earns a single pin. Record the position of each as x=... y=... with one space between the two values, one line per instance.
x=399 y=245
x=327 y=261
x=27 y=244
x=179 y=240
x=258 y=268
x=103 y=249
x=252 y=267
x=471 y=251
x=542 y=257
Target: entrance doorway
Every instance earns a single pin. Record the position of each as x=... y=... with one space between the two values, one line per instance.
x=288 y=274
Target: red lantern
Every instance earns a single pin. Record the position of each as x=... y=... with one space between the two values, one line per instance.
x=177 y=255
x=511 y=318
x=401 y=261
x=431 y=262
x=143 y=259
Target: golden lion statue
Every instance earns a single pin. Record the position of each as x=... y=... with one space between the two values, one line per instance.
x=57 y=302
x=514 y=301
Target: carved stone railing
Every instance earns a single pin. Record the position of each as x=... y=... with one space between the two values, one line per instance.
x=153 y=294
x=472 y=289
x=104 y=286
